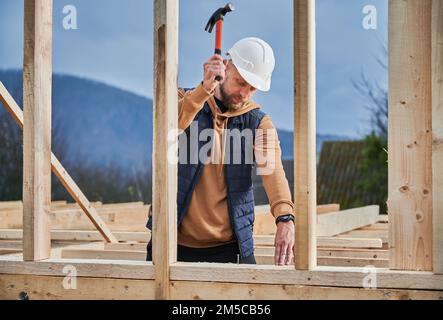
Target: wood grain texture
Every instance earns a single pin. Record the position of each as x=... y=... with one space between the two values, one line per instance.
x=437 y=131
x=410 y=135
x=37 y=90
x=305 y=134
x=165 y=126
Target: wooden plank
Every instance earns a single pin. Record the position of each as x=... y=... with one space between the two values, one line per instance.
x=85 y=268
x=185 y=290
x=383 y=237
x=37 y=88
x=119 y=219
x=164 y=178
x=333 y=261
x=11 y=204
x=229 y=273
x=437 y=131
x=322 y=275
x=88 y=288
x=329 y=242
x=104 y=254
x=333 y=252
x=326 y=208
x=333 y=223
x=64 y=178
x=51 y=288
x=305 y=134
x=126 y=246
x=410 y=135
x=13 y=244
x=79 y=235
x=9 y=250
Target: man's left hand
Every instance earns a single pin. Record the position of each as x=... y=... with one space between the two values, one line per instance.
x=284 y=243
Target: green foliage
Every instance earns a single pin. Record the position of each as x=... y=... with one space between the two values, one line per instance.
x=11 y=155
x=373 y=169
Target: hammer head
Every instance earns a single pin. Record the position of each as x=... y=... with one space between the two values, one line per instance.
x=218 y=15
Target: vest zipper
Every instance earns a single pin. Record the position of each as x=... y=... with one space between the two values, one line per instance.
x=229 y=213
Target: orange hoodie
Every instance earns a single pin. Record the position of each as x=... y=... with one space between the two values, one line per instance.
x=206 y=223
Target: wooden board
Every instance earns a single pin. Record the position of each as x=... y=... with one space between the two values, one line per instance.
x=410 y=135
x=37 y=90
x=213 y=272
x=333 y=223
x=305 y=134
x=164 y=200
x=79 y=235
x=437 y=131
x=51 y=288
x=185 y=290
x=329 y=242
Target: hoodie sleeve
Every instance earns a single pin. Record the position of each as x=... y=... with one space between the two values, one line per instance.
x=267 y=152
x=189 y=104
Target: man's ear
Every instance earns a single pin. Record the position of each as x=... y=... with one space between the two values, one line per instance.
x=225 y=62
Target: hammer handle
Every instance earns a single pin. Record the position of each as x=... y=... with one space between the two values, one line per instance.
x=218 y=41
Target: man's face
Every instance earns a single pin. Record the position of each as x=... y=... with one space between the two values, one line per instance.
x=235 y=91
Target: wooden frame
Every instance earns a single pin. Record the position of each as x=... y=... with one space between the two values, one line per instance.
x=168 y=279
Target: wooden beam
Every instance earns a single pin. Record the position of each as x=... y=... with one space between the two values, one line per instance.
x=322 y=275
x=305 y=134
x=37 y=89
x=85 y=268
x=326 y=208
x=89 y=288
x=104 y=254
x=52 y=288
x=79 y=235
x=332 y=252
x=410 y=135
x=185 y=290
x=61 y=173
x=437 y=131
x=229 y=273
x=165 y=126
x=329 y=242
x=333 y=223
x=333 y=261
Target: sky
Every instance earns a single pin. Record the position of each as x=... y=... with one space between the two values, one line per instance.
x=113 y=43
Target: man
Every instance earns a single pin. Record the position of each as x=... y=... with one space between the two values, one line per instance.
x=215 y=198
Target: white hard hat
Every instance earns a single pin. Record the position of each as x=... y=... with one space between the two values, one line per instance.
x=254 y=60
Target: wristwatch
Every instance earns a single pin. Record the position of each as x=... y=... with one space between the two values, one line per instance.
x=285 y=218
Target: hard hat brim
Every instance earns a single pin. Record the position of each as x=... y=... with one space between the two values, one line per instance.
x=255 y=81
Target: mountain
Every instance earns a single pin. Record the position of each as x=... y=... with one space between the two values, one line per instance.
x=99 y=124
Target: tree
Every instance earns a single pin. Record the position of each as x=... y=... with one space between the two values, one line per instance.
x=374 y=167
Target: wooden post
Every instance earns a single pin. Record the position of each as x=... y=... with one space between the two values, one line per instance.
x=165 y=122
x=304 y=135
x=410 y=135
x=437 y=129
x=37 y=77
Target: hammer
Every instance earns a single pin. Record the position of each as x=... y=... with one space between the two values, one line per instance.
x=217 y=20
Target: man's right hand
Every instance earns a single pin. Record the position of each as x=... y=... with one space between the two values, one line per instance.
x=212 y=68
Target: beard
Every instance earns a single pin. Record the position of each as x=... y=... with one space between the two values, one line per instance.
x=228 y=100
